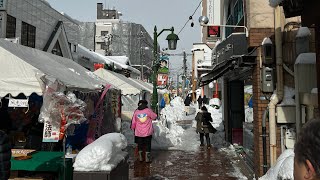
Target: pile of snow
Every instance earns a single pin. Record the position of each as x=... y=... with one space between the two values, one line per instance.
x=288 y=96
x=173 y=112
x=165 y=136
x=215 y=102
x=248 y=89
x=166 y=131
x=248 y=114
x=216 y=115
x=283 y=168
x=103 y=154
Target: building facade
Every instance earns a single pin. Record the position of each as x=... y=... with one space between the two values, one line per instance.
x=37 y=25
x=114 y=37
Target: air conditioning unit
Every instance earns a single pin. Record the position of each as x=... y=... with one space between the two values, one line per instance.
x=13 y=40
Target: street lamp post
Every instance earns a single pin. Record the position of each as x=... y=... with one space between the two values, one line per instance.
x=172 y=45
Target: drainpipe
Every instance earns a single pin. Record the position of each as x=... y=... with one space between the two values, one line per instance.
x=264 y=142
x=276 y=98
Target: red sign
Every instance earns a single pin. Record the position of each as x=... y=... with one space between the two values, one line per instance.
x=162 y=81
x=98 y=66
x=213 y=31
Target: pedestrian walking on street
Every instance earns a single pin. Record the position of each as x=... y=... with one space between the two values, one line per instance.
x=141 y=124
x=204 y=126
x=187 y=103
x=306 y=150
x=200 y=101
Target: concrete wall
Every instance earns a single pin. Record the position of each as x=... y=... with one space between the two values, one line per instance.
x=259 y=14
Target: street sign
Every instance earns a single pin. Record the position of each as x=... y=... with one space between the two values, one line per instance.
x=162 y=81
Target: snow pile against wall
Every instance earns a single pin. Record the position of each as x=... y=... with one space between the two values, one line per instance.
x=283 y=169
x=103 y=154
x=216 y=115
x=248 y=114
x=288 y=96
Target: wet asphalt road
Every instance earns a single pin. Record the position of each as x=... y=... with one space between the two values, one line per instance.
x=203 y=164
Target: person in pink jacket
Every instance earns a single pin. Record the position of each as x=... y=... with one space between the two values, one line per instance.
x=141 y=124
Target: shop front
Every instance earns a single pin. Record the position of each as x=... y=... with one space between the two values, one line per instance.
x=233 y=66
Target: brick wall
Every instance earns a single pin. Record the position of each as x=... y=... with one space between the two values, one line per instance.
x=256 y=36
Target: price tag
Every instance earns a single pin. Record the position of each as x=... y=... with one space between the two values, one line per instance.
x=18 y=103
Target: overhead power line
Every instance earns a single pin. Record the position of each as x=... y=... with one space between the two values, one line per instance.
x=190 y=17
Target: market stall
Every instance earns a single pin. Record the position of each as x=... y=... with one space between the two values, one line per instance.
x=39 y=90
x=131 y=91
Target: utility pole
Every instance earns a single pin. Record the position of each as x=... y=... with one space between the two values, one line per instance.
x=177 y=84
x=193 y=79
x=184 y=77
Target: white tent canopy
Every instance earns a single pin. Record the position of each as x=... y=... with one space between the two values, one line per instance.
x=127 y=87
x=20 y=66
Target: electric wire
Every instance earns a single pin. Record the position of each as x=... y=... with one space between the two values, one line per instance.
x=190 y=16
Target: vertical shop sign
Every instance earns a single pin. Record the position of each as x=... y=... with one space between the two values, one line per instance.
x=210 y=15
x=50 y=132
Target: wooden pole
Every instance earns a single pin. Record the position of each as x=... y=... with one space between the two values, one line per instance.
x=193 y=79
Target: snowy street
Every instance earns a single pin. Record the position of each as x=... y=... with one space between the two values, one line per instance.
x=176 y=152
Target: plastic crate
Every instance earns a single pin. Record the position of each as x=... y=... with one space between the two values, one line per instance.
x=237 y=136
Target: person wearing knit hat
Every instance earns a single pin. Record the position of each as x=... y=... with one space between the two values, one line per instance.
x=141 y=124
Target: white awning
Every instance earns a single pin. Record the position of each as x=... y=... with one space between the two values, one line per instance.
x=119 y=62
x=120 y=81
x=20 y=67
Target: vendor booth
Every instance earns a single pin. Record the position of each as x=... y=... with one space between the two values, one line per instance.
x=47 y=102
x=131 y=91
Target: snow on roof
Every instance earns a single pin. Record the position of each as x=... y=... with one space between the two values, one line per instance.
x=306 y=58
x=303 y=32
x=274 y=3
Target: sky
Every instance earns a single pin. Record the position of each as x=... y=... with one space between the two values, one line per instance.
x=162 y=13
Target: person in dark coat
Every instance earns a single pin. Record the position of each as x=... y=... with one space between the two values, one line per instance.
x=187 y=103
x=204 y=126
x=5 y=156
x=200 y=101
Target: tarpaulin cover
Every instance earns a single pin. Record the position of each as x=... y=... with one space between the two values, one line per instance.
x=125 y=84
x=20 y=65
